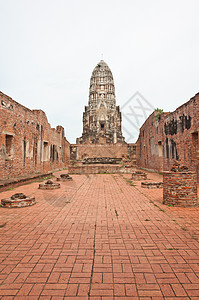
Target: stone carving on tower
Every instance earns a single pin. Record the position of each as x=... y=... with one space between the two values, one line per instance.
x=102 y=118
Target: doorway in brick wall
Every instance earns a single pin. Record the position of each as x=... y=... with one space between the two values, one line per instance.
x=35 y=153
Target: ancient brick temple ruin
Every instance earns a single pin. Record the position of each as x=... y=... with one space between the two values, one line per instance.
x=102 y=118
x=180 y=188
x=27 y=142
x=102 y=139
x=167 y=137
x=29 y=145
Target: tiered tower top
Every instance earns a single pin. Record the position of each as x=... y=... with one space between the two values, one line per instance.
x=102 y=118
x=102 y=89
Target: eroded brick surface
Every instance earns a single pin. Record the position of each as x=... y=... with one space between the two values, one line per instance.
x=180 y=188
x=28 y=144
x=139 y=175
x=167 y=137
x=98 y=237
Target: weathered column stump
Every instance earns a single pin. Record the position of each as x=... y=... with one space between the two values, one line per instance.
x=18 y=200
x=152 y=185
x=139 y=175
x=49 y=185
x=64 y=177
x=180 y=188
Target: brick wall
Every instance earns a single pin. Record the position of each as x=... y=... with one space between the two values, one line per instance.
x=173 y=137
x=97 y=169
x=81 y=151
x=180 y=188
x=27 y=142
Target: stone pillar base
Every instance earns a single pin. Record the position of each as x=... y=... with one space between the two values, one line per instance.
x=180 y=188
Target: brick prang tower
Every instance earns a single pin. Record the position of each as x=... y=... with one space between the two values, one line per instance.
x=102 y=118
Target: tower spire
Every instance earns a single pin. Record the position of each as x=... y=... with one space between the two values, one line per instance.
x=101 y=119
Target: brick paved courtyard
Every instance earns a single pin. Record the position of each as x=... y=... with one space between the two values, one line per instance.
x=98 y=237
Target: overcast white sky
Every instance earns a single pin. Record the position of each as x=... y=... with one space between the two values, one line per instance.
x=49 y=49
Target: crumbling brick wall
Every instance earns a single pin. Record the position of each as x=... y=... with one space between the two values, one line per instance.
x=173 y=137
x=81 y=151
x=27 y=142
x=180 y=188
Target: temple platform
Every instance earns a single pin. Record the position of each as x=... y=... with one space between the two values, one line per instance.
x=100 y=169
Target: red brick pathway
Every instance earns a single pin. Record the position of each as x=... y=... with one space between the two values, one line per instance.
x=98 y=238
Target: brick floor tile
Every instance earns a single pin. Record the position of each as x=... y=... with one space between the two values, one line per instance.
x=80 y=274
x=30 y=298
x=149 y=293
x=167 y=290
x=83 y=289
x=102 y=286
x=21 y=277
x=74 y=298
x=128 y=298
x=8 y=292
x=36 y=289
x=55 y=286
x=47 y=292
x=25 y=289
x=10 y=286
x=63 y=278
x=53 y=277
x=146 y=286
x=140 y=277
x=180 y=298
x=150 y=278
x=131 y=290
x=119 y=289
x=107 y=278
x=55 y=250
x=192 y=277
x=116 y=268
x=38 y=267
x=72 y=289
x=11 y=278
x=101 y=292
x=178 y=290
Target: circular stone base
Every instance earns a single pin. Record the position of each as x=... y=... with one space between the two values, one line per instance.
x=180 y=189
x=139 y=175
x=64 y=179
x=53 y=186
x=152 y=185
x=10 y=203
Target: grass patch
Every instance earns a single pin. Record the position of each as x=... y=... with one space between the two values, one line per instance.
x=130 y=182
x=157 y=206
x=183 y=228
x=172 y=248
x=44 y=178
x=10 y=189
x=116 y=212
